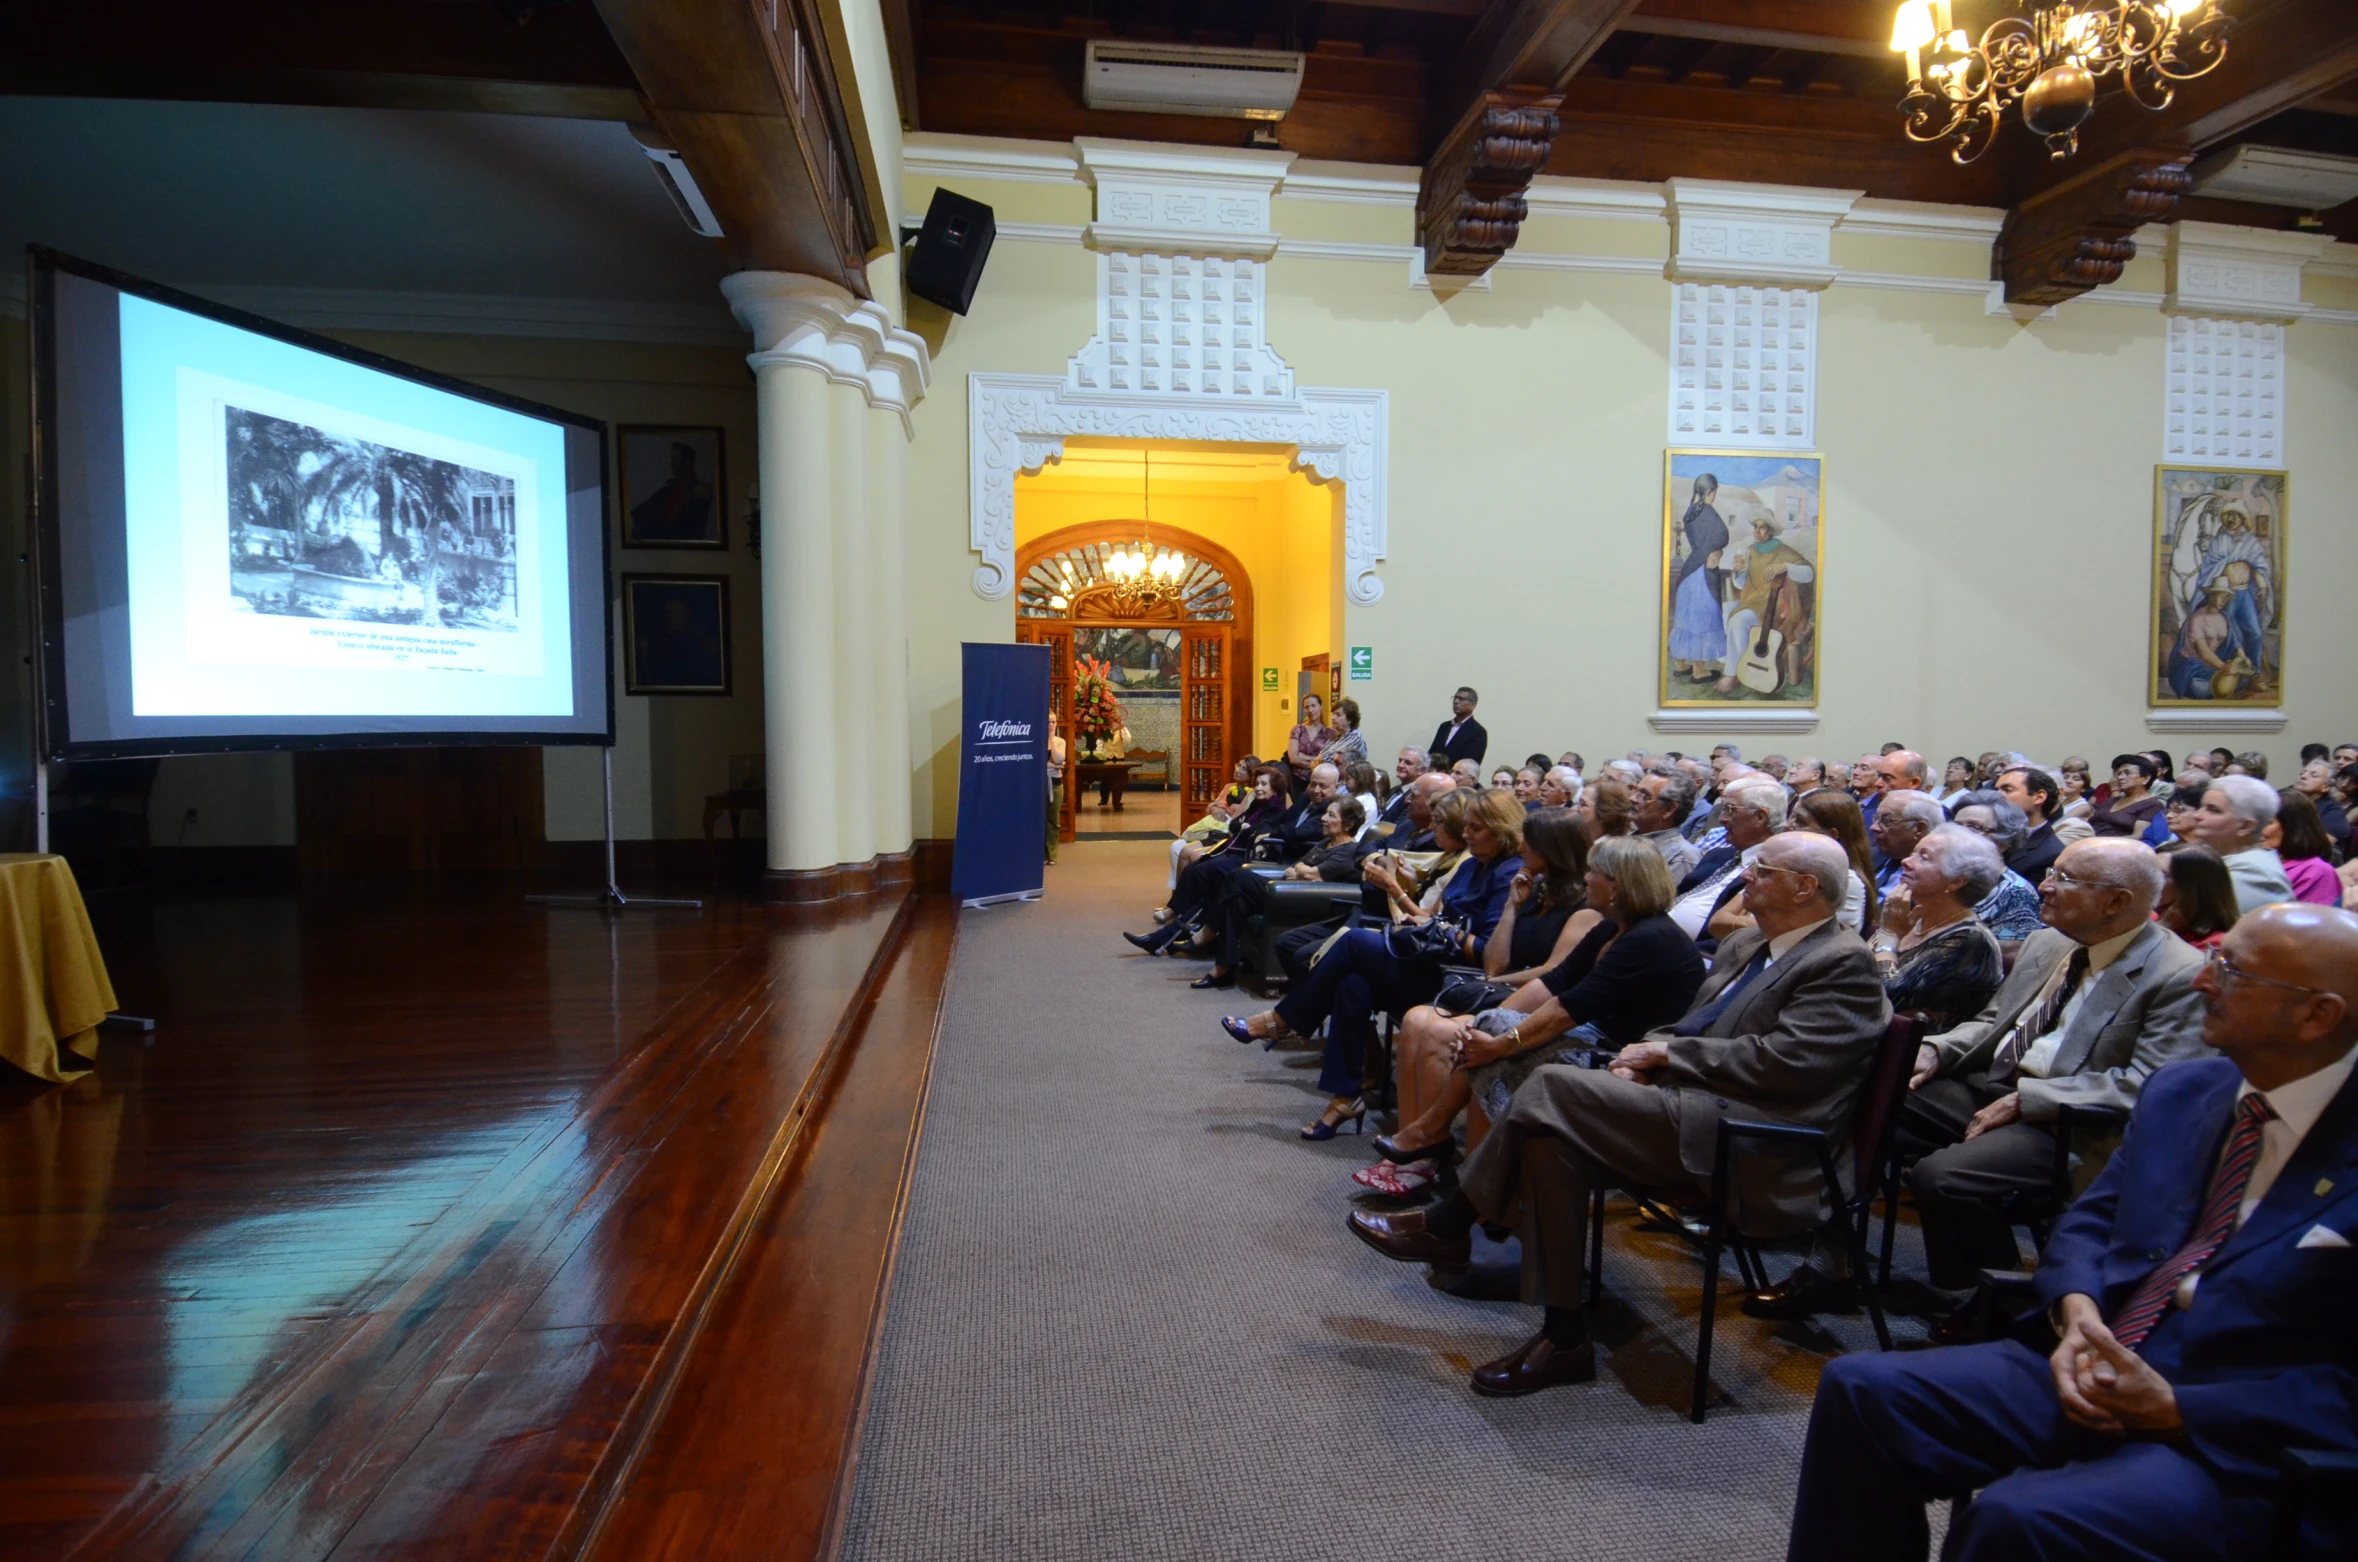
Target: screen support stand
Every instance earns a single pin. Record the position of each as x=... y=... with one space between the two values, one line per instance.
x=41 y=848
x=611 y=898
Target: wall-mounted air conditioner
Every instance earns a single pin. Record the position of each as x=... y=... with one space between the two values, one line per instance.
x=1169 y=78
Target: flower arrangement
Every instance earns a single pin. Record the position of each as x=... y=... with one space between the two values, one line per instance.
x=1097 y=715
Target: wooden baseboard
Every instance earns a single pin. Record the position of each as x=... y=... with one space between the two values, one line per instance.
x=895 y=870
x=801 y=886
x=931 y=859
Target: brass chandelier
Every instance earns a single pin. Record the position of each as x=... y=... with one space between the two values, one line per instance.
x=2051 y=62
x=1142 y=580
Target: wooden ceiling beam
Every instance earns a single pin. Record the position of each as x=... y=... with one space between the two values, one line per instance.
x=754 y=109
x=1812 y=25
x=1500 y=98
x=355 y=54
x=2078 y=236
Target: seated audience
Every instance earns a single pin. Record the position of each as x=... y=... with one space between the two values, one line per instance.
x=1467 y=772
x=1939 y=964
x=2202 y=1293
x=1805 y=774
x=1779 y=1032
x=1366 y=783
x=2072 y=776
x=2130 y=808
x=1570 y=759
x=1955 y=781
x=2034 y=792
x=2096 y=1003
x=2315 y=782
x=1526 y=785
x=1278 y=830
x=1369 y=971
x=2197 y=895
x=2185 y=802
x=2298 y=838
x=1334 y=859
x=1503 y=777
x=1546 y=912
x=1664 y=800
x=2251 y=763
x=1631 y=972
x=1349 y=746
x=2011 y=912
x=2233 y=821
x=1307 y=743
x=2198 y=762
x=1228 y=805
x=1904 y=817
x=1834 y=773
x=1774 y=766
x=1409 y=765
x=1752 y=811
x=1836 y=814
x=2165 y=780
x=1560 y=787
x=1608 y=808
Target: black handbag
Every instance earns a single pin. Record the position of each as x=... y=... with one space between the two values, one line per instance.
x=1462 y=995
x=1439 y=940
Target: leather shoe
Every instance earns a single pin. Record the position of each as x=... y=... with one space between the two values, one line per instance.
x=1542 y=1363
x=1968 y=1325
x=1804 y=1292
x=1402 y=1235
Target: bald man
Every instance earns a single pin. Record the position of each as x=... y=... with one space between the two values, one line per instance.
x=1779 y=1032
x=2201 y=1295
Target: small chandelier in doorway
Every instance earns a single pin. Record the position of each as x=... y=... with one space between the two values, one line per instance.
x=1142 y=578
x=2051 y=62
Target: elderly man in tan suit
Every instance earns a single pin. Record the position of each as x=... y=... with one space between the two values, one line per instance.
x=2101 y=997
x=1781 y=1031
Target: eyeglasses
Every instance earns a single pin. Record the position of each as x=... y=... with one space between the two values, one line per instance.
x=2225 y=971
x=2064 y=880
x=1756 y=869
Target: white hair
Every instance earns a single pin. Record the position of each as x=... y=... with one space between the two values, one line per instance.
x=1758 y=794
x=2253 y=799
x=1567 y=778
x=1627 y=769
x=1914 y=806
x=1822 y=858
x=1967 y=856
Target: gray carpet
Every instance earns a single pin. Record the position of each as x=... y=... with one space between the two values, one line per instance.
x=1128 y=1321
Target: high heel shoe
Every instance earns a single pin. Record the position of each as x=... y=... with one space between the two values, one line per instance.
x=1443 y=1153
x=1330 y=1122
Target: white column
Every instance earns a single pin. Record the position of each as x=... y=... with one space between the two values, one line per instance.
x=888 y=475
x=853 y=747
x=790 y=317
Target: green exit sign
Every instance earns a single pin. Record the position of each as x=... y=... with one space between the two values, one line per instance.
x=1269 y=684
x=1362 y=663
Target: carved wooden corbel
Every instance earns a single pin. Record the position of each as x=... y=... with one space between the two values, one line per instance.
x=2078 y=236
x=1470 y=206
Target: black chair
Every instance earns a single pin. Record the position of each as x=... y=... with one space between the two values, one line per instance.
x=1873 y=1124
x=2037 y=1208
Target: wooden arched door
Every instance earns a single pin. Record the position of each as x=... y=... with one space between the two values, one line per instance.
x=1197 y=648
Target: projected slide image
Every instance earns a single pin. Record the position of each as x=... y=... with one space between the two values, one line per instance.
x=324 y=525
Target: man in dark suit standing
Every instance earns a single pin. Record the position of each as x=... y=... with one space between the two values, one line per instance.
x=1780 y=1032
x=1460 y=737
x=2203 y=1294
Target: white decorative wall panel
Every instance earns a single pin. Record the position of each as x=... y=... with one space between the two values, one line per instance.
x=1743 y=366
x=1779 y=235
x=2224 y=403
x=2238 y=273
x=1187 y=325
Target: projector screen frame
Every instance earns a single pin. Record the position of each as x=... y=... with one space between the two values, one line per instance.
x=54 y=742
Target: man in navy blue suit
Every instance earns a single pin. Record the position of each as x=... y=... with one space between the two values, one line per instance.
x=2205 y=1292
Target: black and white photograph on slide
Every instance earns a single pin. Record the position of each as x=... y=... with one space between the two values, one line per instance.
x=676 y=629
x=324 y=525
x=673 y=487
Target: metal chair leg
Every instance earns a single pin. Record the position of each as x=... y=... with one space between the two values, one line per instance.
x=1596 y=1246
x=1710 y=1310
x=1891 y=1192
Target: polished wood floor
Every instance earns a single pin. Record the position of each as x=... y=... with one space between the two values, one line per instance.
x=399 y=1234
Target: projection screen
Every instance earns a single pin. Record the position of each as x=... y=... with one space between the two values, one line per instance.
x=253 y=537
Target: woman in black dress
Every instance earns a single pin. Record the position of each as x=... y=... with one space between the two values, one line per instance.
x=1547 y=908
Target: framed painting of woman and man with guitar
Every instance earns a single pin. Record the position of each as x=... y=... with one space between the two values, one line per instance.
x=1742 y=536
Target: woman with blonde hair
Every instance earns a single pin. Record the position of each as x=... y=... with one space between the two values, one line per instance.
x=1633 y=971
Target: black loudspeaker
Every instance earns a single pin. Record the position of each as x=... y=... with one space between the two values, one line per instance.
x=946 y=264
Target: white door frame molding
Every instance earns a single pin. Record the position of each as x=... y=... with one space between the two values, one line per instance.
x=1018 y=423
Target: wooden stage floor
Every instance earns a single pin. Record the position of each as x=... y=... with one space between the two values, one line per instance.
x=420 y=1207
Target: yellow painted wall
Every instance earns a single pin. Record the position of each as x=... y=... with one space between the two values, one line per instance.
x=1281 y=530
x=1988 y=492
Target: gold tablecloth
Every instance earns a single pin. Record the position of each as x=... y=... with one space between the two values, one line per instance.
x=53 y=986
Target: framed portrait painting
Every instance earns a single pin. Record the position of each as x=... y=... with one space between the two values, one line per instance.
x=675 y=634
x=674 y=486
x=1743 y=535
x=2218 y=601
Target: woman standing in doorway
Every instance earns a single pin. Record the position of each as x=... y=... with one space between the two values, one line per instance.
x=1307 y=743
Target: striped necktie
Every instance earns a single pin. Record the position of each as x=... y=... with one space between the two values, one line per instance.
x=2039 y=1021
x=2144 y=1309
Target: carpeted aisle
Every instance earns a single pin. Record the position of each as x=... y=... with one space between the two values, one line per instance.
x=1128 y=1321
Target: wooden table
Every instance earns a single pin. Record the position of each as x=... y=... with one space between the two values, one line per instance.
x=1109 y=776
x=53 y=985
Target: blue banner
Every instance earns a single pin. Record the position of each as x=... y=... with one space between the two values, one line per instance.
x=1003 y=775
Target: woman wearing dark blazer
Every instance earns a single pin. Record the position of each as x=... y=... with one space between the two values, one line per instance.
x=1200 y=881
x=1368 y=971
x=1635 y=971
